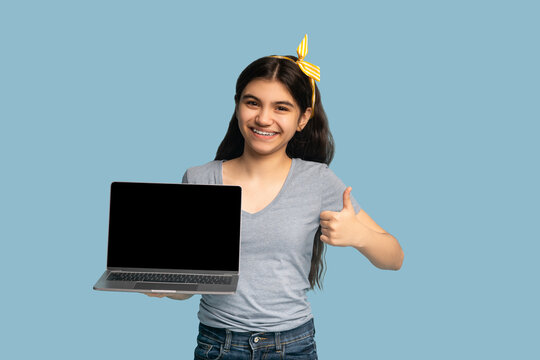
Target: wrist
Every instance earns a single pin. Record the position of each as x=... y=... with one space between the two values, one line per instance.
x=361 y=235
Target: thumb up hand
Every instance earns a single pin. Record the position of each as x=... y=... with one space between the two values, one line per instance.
x=340 y=228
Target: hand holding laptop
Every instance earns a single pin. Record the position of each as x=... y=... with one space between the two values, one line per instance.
x=173 y=296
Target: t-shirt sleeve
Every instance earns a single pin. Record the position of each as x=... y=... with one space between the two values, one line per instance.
x=332 y=192
x=185 y=178
x=208 y=173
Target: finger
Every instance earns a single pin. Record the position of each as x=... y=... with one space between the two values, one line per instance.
x=327 y=215
x=325 y=239
x=325 y=223
x=158 y=295
x=347 y=202
x=328 y=230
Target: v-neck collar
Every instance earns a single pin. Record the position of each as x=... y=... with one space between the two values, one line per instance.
x=274 y=200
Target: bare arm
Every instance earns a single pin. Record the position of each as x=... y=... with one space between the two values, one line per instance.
x=381 y=248
x=345 y=228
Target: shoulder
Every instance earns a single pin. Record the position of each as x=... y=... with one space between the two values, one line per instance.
x=312 y=169
x=208 y=173
x=205 y=168
x=305 y=165
x=318 y=177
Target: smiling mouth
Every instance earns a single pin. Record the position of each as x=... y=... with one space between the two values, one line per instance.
x=263 y=133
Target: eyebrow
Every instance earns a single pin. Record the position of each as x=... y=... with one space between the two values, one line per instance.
x=282 y=102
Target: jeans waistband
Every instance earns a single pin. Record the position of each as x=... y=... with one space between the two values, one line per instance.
x=258 y=339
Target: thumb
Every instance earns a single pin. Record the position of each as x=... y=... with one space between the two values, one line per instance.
x=347 y=203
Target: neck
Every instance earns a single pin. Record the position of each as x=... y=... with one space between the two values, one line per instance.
x=264 y=165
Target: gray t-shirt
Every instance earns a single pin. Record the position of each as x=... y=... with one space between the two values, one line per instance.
x=276 y=249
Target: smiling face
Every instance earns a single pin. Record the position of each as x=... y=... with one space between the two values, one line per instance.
x=268 y=117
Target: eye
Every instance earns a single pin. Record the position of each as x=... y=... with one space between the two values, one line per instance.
x=282 y=108
x=251 y=103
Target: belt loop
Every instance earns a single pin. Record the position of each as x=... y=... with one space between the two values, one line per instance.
x=228 y=339
x=278 y=342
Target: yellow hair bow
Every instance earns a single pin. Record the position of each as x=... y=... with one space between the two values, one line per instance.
x=312 y=71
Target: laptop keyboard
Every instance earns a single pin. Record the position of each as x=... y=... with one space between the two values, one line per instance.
x=170 y=278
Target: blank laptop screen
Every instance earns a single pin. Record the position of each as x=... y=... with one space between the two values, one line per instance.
x=174 y=226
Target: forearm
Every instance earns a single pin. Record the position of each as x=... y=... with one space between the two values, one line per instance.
x=381 y=248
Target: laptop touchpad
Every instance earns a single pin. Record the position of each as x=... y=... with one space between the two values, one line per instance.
x=161 y=286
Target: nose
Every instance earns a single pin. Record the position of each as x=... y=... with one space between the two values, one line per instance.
x=264 y=118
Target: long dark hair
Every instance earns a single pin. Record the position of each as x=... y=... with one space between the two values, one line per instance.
x=313 y=143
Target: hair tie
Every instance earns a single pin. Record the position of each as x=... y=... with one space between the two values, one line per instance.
x=312 y=71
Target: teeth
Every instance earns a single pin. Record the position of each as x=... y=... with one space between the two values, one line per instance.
x=264 y=133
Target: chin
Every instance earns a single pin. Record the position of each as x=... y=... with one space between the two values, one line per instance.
x=264 y=151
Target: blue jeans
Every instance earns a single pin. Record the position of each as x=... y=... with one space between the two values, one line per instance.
x=297 y=344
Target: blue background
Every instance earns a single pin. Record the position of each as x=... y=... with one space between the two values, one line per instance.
x=434 y=107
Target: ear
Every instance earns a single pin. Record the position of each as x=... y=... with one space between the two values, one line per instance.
x=304 y=119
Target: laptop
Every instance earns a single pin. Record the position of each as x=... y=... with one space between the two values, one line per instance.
x=173 y=238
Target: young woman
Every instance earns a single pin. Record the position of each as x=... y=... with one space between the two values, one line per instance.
x=277 y=148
